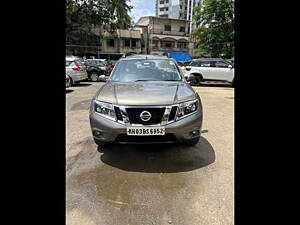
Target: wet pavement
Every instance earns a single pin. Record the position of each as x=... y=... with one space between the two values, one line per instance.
x=151 y=184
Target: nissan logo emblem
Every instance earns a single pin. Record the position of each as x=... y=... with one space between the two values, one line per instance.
x=145 y=116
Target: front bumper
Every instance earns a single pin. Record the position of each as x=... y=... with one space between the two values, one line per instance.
x=111 y=131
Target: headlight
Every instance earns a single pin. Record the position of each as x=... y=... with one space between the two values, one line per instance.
x=187 y=108
x=105 y=109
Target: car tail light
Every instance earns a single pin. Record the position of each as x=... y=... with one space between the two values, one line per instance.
x=77 y=66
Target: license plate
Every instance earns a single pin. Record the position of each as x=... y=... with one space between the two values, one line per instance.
x=145 y=131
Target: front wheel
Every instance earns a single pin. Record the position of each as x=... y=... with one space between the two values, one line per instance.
x=94 y=76
x=195 y=81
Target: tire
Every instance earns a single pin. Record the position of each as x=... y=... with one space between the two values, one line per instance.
x=71 y=82
x=196 y=81
x=94 y=76
x=193 y=142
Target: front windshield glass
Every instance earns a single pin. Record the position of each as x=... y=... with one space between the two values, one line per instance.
x=146 y=70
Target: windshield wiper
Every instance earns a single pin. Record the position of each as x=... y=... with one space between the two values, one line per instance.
x=142 y=80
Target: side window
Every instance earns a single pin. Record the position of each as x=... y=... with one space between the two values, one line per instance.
x=91 y=62
x=212 y=64
x=195 y=63
x=221 y=64
x=206 y=64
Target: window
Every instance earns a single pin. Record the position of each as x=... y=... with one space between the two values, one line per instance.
x=155 y=43
x=127 y=43
x=140 y=69
x=182 y=29
x=167 y=9
x=99 y=63
x=208 y=64
x=133 y=43
x=182 y=44
x=167 y=1
x=168 y=44
x=111 y=43
x=222 y=64
x=202 y=63
x=167 y=27
x=68 y=63
x=161 y=9
x=161 y=2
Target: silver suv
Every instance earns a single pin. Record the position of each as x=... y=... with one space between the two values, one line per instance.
x=146 y=100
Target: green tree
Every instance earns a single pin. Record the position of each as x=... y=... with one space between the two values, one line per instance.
x=119 y=11
x=214 y=33
x=84 y=15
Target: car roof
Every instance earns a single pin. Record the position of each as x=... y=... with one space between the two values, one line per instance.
x=72 y=58
x=145 y=57
x=207 y=59
x=96 y=59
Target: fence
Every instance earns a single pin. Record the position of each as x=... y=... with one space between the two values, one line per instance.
x=83 y=50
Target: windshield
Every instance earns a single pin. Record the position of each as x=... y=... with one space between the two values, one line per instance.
x=146 y=70
x=68 y=63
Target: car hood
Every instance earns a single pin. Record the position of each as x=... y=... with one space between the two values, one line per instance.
x=146 y=93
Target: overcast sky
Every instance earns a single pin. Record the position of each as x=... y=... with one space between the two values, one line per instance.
x=142 y=8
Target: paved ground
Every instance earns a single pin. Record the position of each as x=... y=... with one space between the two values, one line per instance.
x=151 y=184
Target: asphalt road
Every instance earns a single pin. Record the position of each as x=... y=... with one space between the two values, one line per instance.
x=151 y=184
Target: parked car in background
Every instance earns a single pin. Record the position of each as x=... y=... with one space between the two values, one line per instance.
x=210 y=69
x=146 y=100
x=231 y=61
x=97 y=69
x=76 y=70
x=68 y=81
x=113 y=63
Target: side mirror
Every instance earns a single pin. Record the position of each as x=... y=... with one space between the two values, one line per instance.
x=230 y=66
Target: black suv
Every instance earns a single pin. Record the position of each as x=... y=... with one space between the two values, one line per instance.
x=97 y=69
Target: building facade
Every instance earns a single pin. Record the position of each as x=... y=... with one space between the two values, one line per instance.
x=122 y=41
x=177 y=9
x=162 y=35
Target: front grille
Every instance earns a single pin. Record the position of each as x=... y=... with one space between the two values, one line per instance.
x=153 y=138
x=173 y=113
x=156 y=115
x=118 y=114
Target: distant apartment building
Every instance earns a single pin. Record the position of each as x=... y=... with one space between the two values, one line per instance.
x=177 y=9
x=162 y=35
x=122 y=41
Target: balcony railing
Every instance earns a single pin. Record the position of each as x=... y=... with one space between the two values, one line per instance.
x=155 y=48
x=172 y=32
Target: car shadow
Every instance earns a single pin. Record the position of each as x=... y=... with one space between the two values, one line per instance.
x=69 y=91
x=225 y=85
x=159 y=158
x=82 y=84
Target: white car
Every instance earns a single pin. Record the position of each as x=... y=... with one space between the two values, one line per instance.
x=210 y=69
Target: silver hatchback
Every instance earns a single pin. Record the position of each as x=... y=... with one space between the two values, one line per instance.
x=76 y=70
